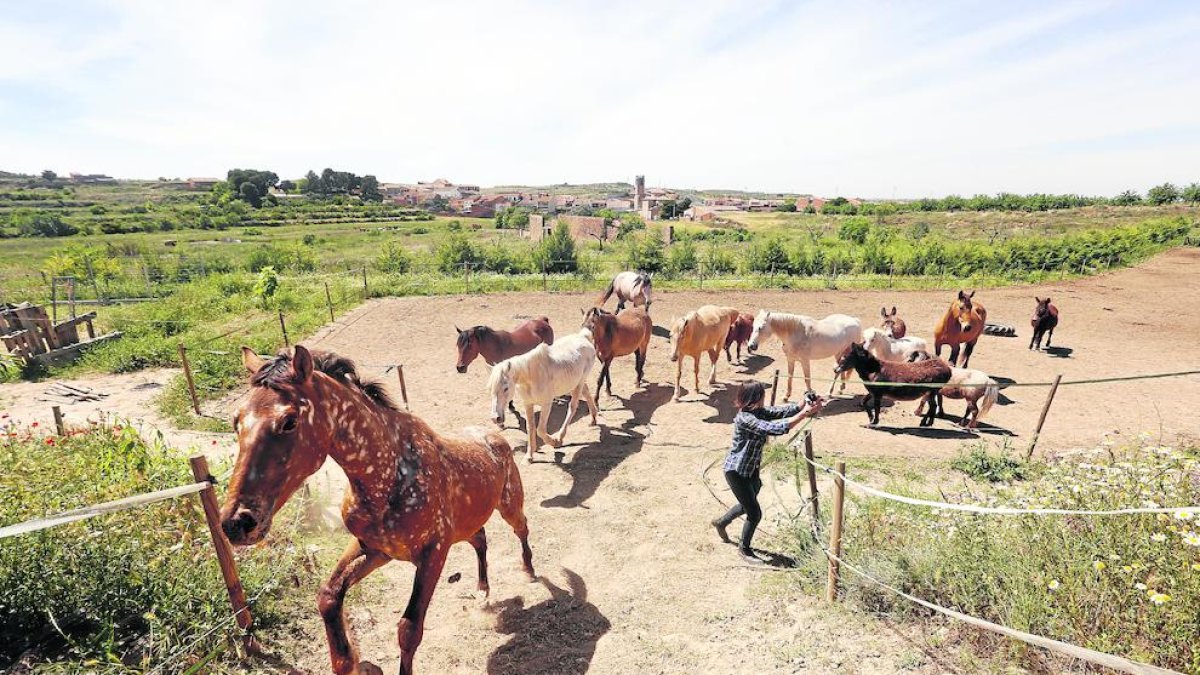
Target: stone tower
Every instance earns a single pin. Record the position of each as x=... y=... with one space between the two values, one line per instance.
x=639 y=192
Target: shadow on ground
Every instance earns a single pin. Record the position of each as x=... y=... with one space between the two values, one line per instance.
x=556 y=636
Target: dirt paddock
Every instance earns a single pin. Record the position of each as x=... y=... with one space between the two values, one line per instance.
x=634 y=580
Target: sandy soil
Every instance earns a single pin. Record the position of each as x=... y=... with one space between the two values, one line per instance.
x=634 y=578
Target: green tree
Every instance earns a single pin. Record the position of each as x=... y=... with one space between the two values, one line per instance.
x=438 y=204
x=266 y=285
x=557 y=253
x=49 y=177
x=1162 y=194
x=1191 y=193
x=681 y=257
x=394 y=258
x=369 y=189
x=1127 y=198
x=645 y=252
x=456 y=254
x=31 y=223
x=251 y=185
x=788 y=206
x=854 y=230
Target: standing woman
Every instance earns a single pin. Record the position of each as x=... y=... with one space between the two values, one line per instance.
x=751 y=427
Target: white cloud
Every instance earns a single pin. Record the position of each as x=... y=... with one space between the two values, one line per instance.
x=861 y=99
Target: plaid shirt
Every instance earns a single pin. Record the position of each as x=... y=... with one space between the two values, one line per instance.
x=750 y=431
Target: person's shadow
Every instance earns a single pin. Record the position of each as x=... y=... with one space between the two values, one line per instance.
x=591 y=464
x=556 y=636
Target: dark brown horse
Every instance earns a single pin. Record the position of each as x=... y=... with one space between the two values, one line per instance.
x=412 y=494
x=496 y=345
x=963 y=321
x=892 y=323
x=1044 y=320
x=619 y=335
x=888 y=379
x=739 y=334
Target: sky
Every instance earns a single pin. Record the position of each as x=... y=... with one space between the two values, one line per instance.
x=855 y=99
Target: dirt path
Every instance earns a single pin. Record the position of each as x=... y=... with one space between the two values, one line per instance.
x=635 y=580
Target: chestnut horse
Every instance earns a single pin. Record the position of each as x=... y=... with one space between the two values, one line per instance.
x=634 y=287
x=887 y=379
x=496 y=345
x=412 y=492
x=739 y=334
x=619 y=335
x=700 y=331
x=1044 y=320
x=892 y=323
x=963 y=322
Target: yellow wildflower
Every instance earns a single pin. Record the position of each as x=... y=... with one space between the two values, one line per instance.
x=1183 y=515
x=1053 y=585
x=1160 y=598
x=1098 y=565
x=1191 y=538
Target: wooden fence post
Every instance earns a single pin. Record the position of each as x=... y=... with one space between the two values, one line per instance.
x=283 y=329
x=1042 y=418
x=364 y=276
x=403 y=388
x=187 y=373
x=775 y=386
x=208 y=499
x=58 y=421
x=812 y=478
x=835 y=535
x=329 y=302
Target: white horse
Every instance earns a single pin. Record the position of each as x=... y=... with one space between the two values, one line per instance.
x=887 y=348
x=805 y=339
x=538 y=376
x=632 y=287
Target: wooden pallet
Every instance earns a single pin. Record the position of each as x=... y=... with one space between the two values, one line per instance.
x=28 y=333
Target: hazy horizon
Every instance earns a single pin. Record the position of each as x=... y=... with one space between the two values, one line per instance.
x=865 y=100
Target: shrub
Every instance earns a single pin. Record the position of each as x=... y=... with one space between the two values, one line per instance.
x=266 y=285
x=854 y=230
x=456 y=253
x=769 y=257
x=644 y=252
x=556 y=253
x=394 y=259
x=292 y=258
x=718 y=261
x=981 y=464
x=681 y=257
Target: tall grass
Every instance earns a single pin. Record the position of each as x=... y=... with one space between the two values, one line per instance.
x=123 y=592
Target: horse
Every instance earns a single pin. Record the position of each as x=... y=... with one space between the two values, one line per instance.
x=412 y=493
x=887 y=348
x=806 y=339
x=739 y=333
x=974 y=386
x=892 y=323
x=634 y=287
x=496 y=345
x=619 y=335
x=963 y=321
x=541 y=375
x=874 y=373
x=1044 y=320
x=702 y=330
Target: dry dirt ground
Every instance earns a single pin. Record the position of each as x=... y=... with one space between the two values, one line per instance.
x=634 y=580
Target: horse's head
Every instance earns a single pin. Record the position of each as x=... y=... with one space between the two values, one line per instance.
x=761 y=330
x=500 y=384
x=591 y=316
x=889 y=320
x=873 y=338
x=468 y=347
x=1042 y=309
x=851 y=357
x=963 y=311
x=281 y=441
x=677 y=330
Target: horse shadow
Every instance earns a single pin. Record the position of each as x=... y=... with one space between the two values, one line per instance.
x=660 y=331
x=592 y=463
x=557 y=635
x=1004 y=383
x=1059 y=352
x=752 y=364
x=929 y=432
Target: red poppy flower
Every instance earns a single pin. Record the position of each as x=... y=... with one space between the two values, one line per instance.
x=49 y=441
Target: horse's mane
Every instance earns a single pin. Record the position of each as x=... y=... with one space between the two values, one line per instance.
x=476 y=332
x=276 y=374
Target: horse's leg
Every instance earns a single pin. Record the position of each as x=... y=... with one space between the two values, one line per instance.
x=479 y=543
x=678 y=376
x=1035 y=338
x=728 y=358
x=971 y=418
x=593 y=407
x=954 y=349
x=967 y=352
x=531 y=426
x=1049 y=337
x=714 y=355
x=411 y=628
x=639 y=366
x=354 y=564
x=512 y=510
x=544 y=421
x=607 y=379
x=873 y=411
x=791 y=376
x=571 y=408
x=696 y=371
x=600 y=380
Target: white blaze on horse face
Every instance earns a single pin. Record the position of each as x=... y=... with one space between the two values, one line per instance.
x=501 y=395
x=756 y=333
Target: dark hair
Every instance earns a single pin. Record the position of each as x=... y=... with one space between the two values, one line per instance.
x=749 y=394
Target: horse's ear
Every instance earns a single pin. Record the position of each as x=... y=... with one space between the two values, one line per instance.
x=883 y=312
x=962 y=296
x=972 y=294
x=893 y=310
x=1037 y=299
x=458 y=330
x=251 y=360
x=302 y=363
x=1047 y=300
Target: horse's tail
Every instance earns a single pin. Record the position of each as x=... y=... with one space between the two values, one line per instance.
x=607 y=294
x=990 y=395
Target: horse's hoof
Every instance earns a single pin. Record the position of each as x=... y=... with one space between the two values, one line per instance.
x=554 y=442
x=368 y=668
x=529 y=459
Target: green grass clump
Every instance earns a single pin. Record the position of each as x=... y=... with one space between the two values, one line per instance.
x=122 y=592
x=992 y=467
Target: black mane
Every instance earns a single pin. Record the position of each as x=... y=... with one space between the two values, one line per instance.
x=276 y=373
x=476 y=332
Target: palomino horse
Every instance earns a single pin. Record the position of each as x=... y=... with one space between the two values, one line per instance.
x=887 y=348
x=739 y=334
x=412 y=492
x=1044 y=321
x=973 y=386
x=537 y=377
x=963 y=321
x=496 y=345
x=892 y=323
x=633 y=287
x=619 y=335
x=886 y=379
x=703 y=330
x=806 y=339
